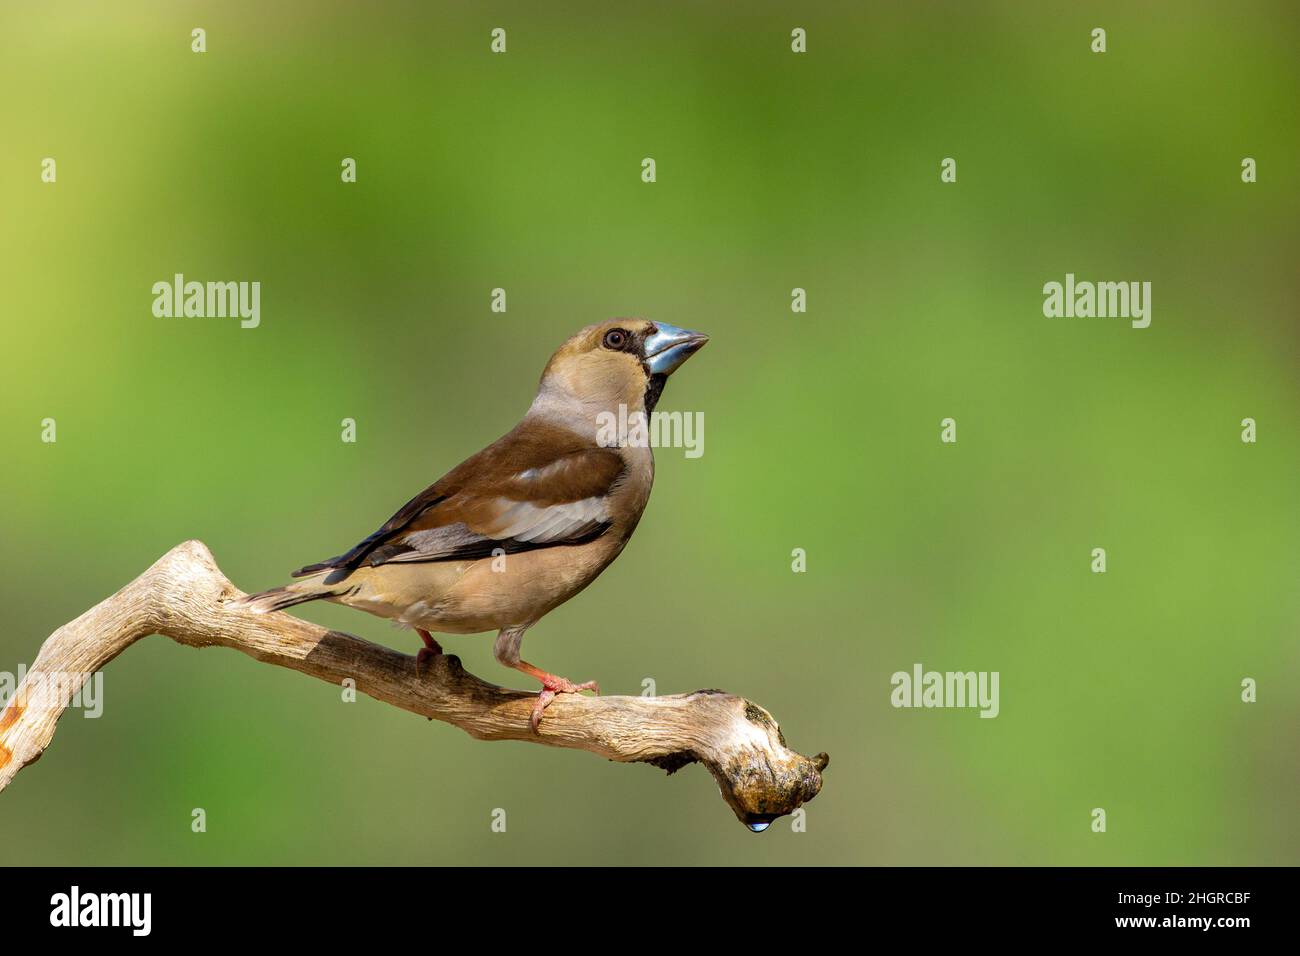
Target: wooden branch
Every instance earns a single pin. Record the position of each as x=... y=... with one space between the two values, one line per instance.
x=185 y=596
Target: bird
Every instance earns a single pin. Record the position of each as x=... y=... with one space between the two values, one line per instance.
x=519 y=528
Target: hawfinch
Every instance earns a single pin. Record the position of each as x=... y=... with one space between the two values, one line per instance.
x=529 y=521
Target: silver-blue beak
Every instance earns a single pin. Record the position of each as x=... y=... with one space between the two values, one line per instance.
x=668 y=347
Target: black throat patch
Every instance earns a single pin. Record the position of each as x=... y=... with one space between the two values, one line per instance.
x=653 y=389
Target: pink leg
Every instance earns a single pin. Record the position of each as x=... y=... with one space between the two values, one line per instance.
x=551 y=686
x=430 y=650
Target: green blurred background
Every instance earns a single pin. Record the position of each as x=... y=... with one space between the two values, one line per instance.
x=775 y=170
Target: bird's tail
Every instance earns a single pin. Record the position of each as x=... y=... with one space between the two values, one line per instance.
x=311 y=588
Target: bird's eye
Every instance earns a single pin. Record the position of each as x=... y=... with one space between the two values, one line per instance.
x=615 y=339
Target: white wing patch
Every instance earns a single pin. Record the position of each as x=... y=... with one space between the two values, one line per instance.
x=546 y=471
x=525 y=521
x=518 y=520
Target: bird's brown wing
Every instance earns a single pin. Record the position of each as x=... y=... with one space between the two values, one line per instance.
x=539 y=486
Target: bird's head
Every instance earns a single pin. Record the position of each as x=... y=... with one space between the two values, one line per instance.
x=619 y=362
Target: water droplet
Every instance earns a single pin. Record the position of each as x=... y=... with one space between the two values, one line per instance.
x=759 y=826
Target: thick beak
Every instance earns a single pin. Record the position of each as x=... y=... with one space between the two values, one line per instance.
x=668 y=347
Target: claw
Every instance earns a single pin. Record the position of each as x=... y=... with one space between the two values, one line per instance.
x=552 y=687
x=544 y=698
x=430 y=650
x=422 y=658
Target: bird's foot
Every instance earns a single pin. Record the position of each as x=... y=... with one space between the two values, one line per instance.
x=427 y=653
x=423 y=658
x=553 y=686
